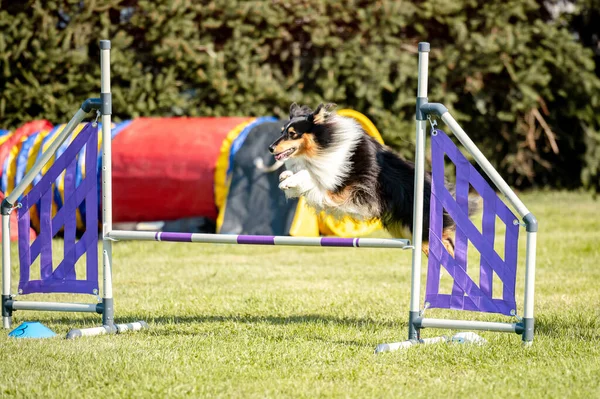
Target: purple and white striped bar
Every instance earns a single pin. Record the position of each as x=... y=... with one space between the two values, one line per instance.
x=121 y=235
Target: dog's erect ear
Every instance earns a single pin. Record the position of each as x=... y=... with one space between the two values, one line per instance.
x=293 y=109
x=318 y=109
x=330 y=107
x=322 y=112
x=297 y=110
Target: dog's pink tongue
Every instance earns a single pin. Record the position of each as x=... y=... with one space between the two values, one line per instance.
x=278 y=157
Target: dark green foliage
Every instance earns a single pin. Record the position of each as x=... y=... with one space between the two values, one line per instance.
x=518 y=81
x=586 y=22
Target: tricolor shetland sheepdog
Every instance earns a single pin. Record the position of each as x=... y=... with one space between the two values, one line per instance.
x=340 y=169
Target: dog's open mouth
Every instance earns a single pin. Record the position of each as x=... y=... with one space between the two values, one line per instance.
x=283 y=155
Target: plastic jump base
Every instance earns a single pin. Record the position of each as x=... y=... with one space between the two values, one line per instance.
x=116 y=328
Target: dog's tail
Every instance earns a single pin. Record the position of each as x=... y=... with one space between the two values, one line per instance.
x=475 y=200
x=260 y=165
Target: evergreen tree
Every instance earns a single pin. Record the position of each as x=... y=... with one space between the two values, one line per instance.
x=515 y=77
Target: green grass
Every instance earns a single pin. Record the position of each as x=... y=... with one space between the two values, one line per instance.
x=233 y=321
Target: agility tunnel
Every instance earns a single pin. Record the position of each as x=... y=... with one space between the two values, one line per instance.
x=195 y=174
x=467 y=293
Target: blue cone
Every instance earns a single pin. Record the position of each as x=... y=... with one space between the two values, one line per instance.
x=32 y=329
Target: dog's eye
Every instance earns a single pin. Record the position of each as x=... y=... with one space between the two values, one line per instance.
x=293 y=134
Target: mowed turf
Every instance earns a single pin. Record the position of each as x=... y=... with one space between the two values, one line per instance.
x=244 y=321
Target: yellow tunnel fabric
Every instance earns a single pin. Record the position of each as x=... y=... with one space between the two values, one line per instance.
x=221 y=180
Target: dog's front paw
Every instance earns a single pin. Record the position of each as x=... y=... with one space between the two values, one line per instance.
x=285 y=174
x=287 y=183
x=297 y=184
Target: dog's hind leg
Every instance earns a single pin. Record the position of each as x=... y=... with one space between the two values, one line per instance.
x=448 y=239
x=399 y=231
x=425 y=248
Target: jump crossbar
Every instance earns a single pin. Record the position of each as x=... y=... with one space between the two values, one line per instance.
x=121 y=235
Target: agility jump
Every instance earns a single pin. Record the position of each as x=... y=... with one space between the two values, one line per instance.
x=466 y=293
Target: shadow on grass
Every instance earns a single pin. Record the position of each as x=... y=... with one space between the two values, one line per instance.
x=160 y=326
x=314 y=319
x=308 y=319
x=578 y=327
x=583 y=327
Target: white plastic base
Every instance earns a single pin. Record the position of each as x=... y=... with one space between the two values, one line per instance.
x=118 y=328
x=407 y=344
x=458 y=338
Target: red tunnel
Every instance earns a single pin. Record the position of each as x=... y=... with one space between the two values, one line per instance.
x=163 y=168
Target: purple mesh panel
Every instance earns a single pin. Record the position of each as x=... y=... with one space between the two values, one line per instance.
x=466 y=293
x=62 y=278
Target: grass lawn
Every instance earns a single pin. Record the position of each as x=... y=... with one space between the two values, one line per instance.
x=240 y=321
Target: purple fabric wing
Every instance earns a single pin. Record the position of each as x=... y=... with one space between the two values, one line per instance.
x=63 y=278
x=466 y=293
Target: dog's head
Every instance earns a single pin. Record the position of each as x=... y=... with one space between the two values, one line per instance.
x=300 y=135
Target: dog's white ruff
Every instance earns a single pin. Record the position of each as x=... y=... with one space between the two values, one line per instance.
x=314 y=176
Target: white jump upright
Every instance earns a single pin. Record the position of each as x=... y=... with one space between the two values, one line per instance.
x=466 y=294
x=62 y=278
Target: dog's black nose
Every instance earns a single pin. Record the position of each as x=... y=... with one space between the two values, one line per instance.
x=271 y=149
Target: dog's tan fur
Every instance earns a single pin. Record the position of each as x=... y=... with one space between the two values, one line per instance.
x=310 y=146
x=321 y=116
x=305 y=145
x=342 y=196
x=447 y=240
x=285 y=145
